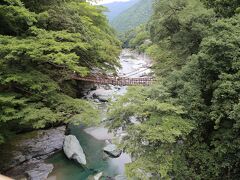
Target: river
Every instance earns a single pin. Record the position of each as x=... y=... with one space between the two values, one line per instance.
x=93 y=139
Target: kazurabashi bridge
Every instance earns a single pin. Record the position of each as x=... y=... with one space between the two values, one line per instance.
x=115 y=80
x=121 y=80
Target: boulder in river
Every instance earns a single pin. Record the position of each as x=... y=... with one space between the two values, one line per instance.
x=101 y=94
x=73 y=150
x=112 y=150
x=98 y=176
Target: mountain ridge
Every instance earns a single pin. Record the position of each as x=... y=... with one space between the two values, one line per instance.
x=115 y=8
x=139 y=13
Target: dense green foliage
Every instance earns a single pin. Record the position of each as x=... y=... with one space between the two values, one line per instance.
x=172 y=35
x=188 y=122
x=41 y=44
x=134 y=16
x=224 y=8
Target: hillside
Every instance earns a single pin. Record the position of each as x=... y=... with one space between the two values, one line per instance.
x=116 y=8
x=138 y=14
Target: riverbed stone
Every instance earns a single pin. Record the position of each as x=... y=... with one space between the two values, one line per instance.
x=98 y=176
x=73 y=150
x=120 y=177
x=27 y=151
x=112 y=150
x=95 y=177
x=101 y=94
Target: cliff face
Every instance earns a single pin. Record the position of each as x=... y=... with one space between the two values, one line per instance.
x=24 y=155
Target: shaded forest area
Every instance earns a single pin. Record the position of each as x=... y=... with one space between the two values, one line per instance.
x=188 y=122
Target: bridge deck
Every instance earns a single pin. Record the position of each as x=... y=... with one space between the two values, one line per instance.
x=121 y=81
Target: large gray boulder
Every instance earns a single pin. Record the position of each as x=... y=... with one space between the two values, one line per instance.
x=112 y=150
x=73 y=150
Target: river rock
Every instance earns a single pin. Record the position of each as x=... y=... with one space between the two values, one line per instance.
x=24 y=153
x=73 y=150
x=102 y=97
x=101 y=94
x=96 y=177
x=120 y=177
x=112 y=150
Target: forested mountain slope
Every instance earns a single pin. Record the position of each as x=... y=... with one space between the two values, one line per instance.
x=115 y=8
x=188 y=121
x=134 y=16
x=41 y=44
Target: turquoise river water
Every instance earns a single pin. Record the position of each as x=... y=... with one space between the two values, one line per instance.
x=65 y=169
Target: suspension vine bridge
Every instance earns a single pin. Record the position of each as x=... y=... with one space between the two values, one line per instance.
x=125 y=80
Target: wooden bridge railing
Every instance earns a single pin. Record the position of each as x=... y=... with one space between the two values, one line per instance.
x=121 y=81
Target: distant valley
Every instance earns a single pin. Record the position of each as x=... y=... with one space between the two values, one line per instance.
x=124 y=16
x=116 y=8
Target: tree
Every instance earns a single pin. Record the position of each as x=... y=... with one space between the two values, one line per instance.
x=156 y=128
x=225 y=8
x=41 y=45
x=186 y=126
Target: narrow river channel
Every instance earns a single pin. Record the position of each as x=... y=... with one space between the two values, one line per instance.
x=93 y=139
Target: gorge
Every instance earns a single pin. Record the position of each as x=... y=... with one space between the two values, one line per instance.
x=183 y=124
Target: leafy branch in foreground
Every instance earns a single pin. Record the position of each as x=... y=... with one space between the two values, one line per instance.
x=156 y=130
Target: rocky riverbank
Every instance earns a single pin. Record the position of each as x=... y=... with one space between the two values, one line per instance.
x=24 y=156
